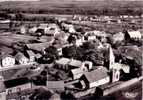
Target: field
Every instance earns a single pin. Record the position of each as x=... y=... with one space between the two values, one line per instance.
x=109 y=7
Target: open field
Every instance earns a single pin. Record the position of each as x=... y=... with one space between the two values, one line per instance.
x=74 y=7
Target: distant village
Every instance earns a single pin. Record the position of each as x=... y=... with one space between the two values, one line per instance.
x=66 y=56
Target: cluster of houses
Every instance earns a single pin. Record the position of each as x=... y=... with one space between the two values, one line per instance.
x=108 y=19
x=89 y=77
x=26 y=58
x=83 y=71
x=78 y=70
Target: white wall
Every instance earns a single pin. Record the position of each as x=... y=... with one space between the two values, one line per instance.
x=99 y=82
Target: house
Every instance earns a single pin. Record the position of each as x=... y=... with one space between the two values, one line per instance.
x=52 y=30
x=76 y=73
x=33 y=30
x=30 y=55
x=37 y=47
x=62 y=36
x=21 y=59
x=132 y=35
x=75 y=64
x=23 y=29
x=69 y=27
x=89 y=36
x=17 y=85
x=62 y=63
x=119 y=66
x=2 y=89
x=79 y=40
x=7 y=60
x=56 y=85
x=68 y=64
x=59 y=49
x=95 y=78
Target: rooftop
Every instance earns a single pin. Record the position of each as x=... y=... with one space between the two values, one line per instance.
x=63 y=61
x=16 y=82
x=134 y=34
x=75 y=63
x=97 y=74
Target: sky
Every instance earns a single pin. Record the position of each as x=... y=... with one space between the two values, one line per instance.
x=69 y=0
x=18 y=0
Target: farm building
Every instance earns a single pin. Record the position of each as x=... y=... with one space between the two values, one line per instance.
x=17 y=85
x=132 y=35
x=7 y=60
x=95 y=78
x=21 y=59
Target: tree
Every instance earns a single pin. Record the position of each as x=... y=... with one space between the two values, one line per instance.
x=41 y=94
x=95 y=56
x=67 y=96
x=70 y=52
x=89 y=45
x=72 y=39
x=51 y=54
x=19 y=16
